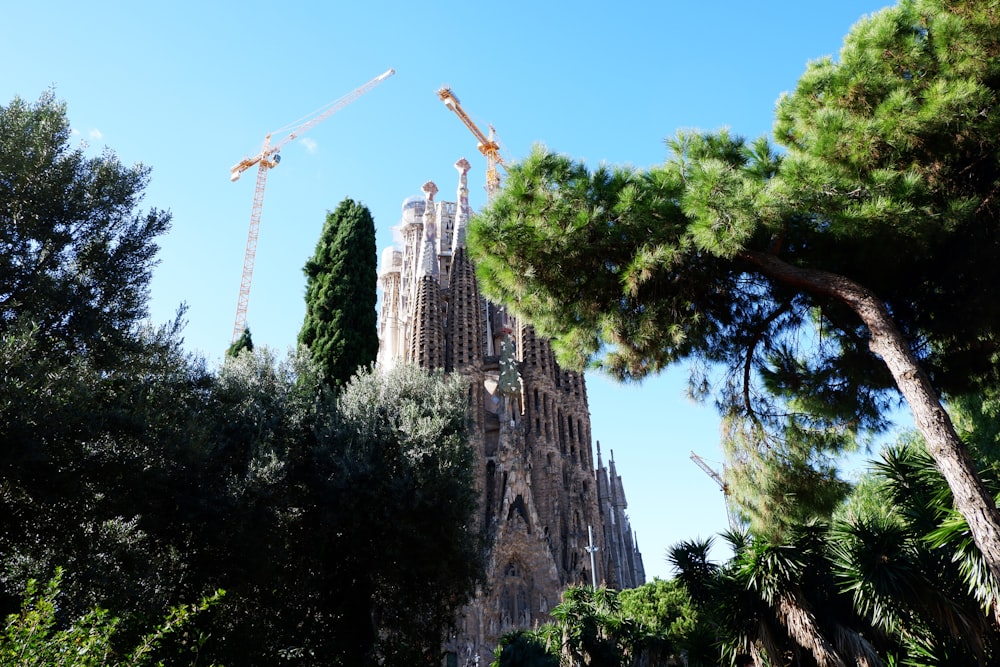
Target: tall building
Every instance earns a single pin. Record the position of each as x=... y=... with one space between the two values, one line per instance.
x=550 y=516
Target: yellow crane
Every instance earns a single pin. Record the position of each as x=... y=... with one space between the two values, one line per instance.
x=488 y=145
x=700 y=462
x=268 y=158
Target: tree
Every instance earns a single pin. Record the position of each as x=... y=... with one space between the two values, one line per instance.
x=84 y=383
x=524 y=648
x=907 y=563
x=244 y=342
x=405 y=470
x=340 y=322
x=604 y=628
x=75 y=255
x=100 y=474
x=779 y=600
x=665 y=608
x=818 y=278
x=342 y=527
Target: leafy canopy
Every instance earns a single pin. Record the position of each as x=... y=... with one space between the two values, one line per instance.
x=75 y=254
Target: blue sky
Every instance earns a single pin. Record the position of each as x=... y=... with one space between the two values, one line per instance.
x=190 y=88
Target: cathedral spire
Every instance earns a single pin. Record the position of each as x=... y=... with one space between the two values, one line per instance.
x=462 y=210
x=427 y=264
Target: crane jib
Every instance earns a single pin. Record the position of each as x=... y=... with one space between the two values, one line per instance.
x=268 y=158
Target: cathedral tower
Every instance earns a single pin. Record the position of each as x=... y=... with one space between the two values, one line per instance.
x=541 y=497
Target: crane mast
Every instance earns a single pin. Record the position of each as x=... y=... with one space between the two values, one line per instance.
x=267 y=158
x=488 y=144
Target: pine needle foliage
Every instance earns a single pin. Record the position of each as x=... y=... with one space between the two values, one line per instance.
x=818 y=280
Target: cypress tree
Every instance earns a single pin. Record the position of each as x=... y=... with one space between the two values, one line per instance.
x=244 y=342
x=340 y=321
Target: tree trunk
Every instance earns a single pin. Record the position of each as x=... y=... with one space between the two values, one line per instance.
x=950 y=454
x=802 y=627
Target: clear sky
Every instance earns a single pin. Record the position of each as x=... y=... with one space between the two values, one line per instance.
x=190 y=88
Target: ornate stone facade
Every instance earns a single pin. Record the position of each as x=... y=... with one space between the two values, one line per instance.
x=544 y=505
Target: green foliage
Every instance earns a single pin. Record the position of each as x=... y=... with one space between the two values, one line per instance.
x=779 y=598
x=342 y=528
x=895 y=146
x=770 y=269
x=914 y=571
x=75 y=256
x=344 y=532
x=244 y=342
x=32 y=637
x=524 y=648
x=894 y=579
x=340 y=322
x=89 y=470
x=665 y=608
x=409 y=501
x=650 y=625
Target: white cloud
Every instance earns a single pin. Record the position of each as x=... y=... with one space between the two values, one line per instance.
x=310 y=144
x=96 y=134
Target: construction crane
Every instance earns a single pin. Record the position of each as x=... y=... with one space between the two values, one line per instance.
x=268 y=158
x=488 y=145
x=700 y=462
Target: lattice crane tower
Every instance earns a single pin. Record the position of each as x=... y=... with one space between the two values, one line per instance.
x=268 y=158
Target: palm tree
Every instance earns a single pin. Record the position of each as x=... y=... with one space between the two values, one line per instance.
x=777 y=600
x=911 y=568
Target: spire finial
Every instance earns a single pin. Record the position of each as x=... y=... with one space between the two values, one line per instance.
x=429 y=189
x=462 y=210
x=427 y=260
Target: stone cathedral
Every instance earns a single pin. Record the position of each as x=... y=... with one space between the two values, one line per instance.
x=551 y=516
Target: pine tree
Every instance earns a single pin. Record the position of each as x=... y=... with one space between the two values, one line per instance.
x=339 y=327
x=824 y=282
